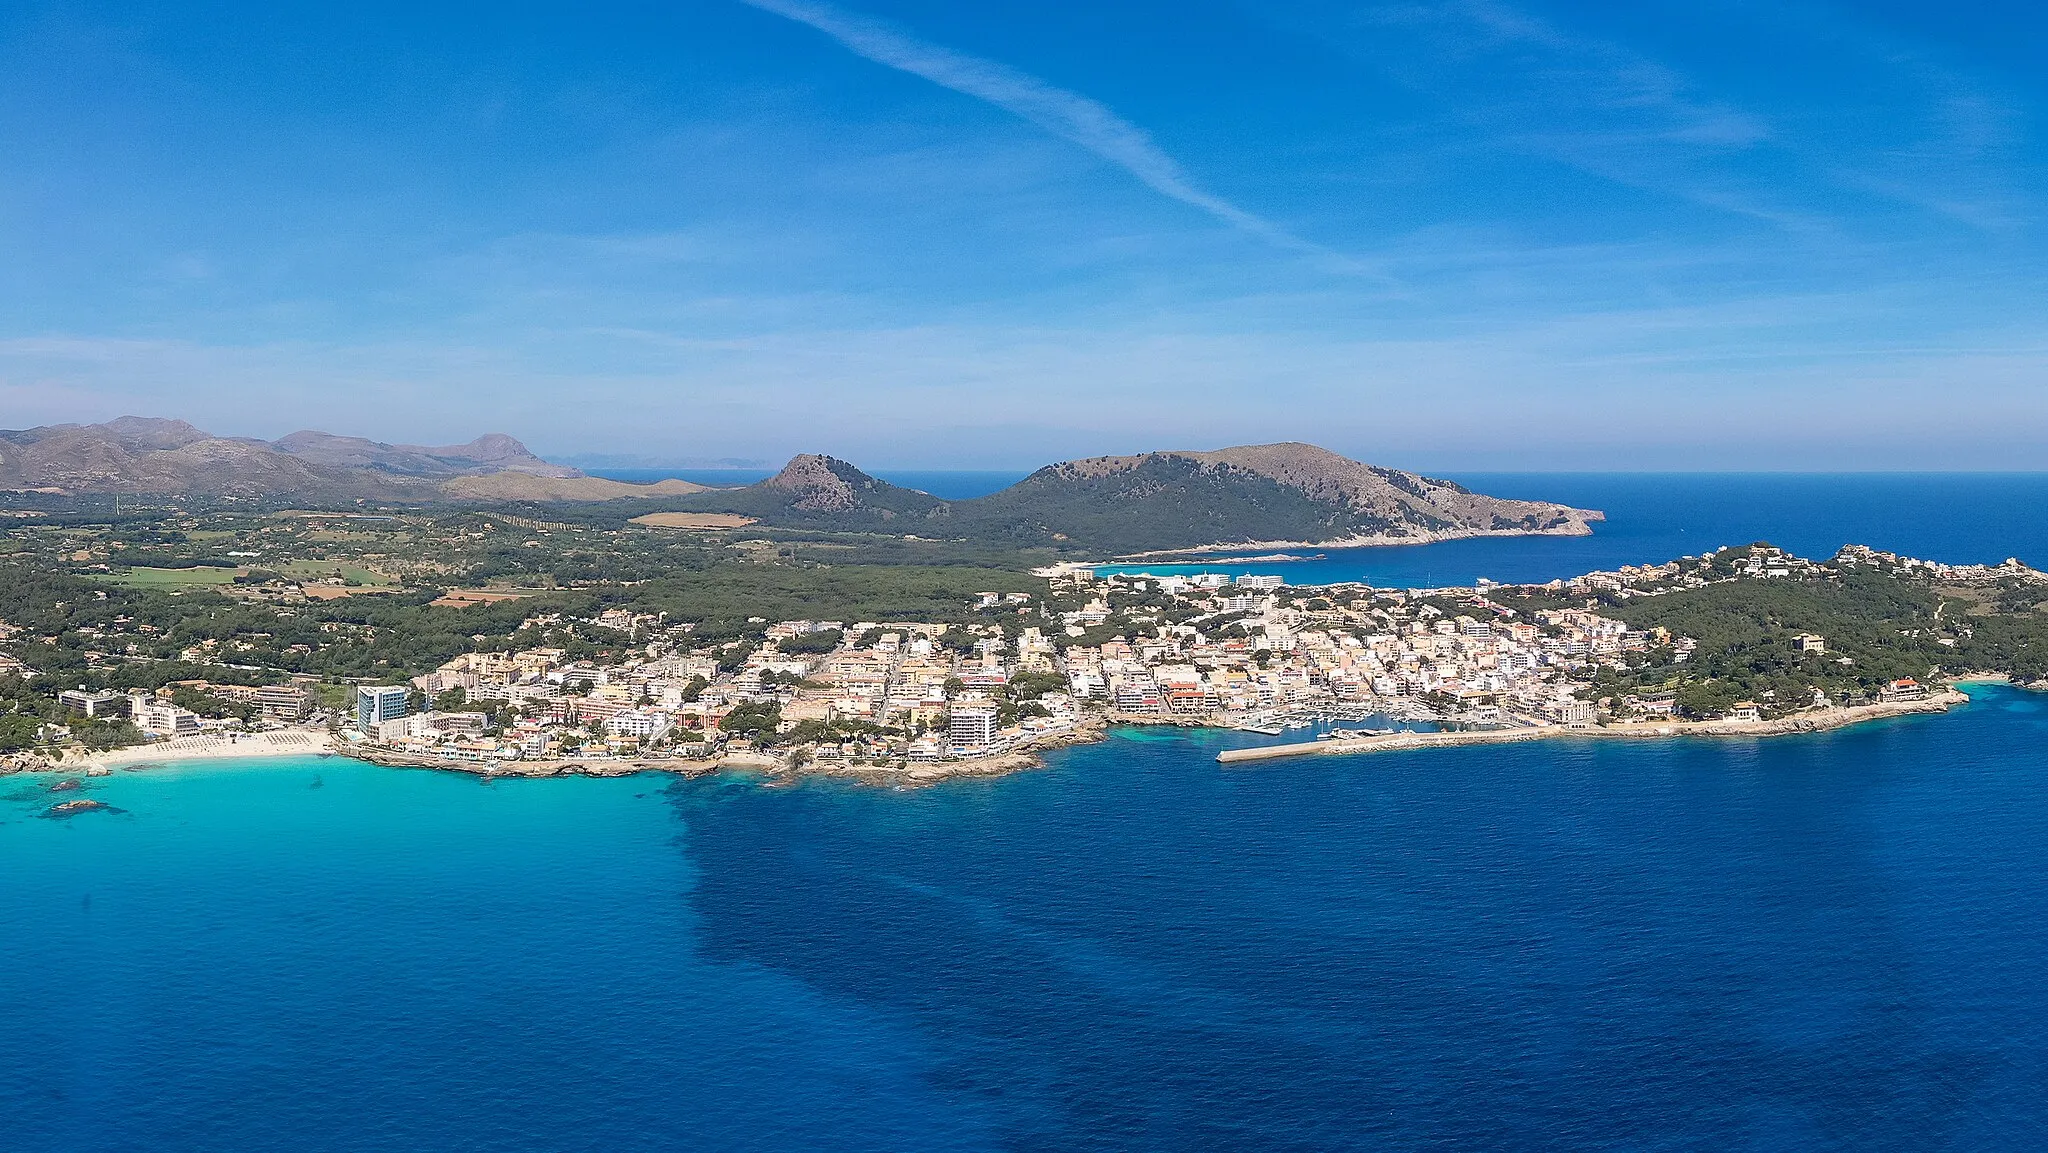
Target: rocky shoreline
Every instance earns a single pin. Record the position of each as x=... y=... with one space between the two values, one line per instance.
x=1378 y=540
x=1091 y=730
x=1819 y=720
x=1095 y=729
x=910 y=773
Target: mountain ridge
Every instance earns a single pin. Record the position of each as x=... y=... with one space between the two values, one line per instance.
x=151 y=455
x=1177 y=500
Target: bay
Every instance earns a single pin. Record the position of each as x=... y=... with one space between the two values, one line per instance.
x=1958 y=518
x=1816 y=942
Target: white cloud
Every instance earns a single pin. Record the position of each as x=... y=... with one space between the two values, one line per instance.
x=1086 y=122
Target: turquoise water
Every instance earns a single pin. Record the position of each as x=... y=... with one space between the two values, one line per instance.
x=1822 y=942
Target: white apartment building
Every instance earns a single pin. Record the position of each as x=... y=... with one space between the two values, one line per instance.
x=972 y=725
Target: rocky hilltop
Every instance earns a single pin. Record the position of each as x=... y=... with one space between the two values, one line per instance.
x=817 y=491
x=822 y=484
x=137 y=455
x=1256 y=494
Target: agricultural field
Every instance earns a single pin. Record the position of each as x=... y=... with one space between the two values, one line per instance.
x=167 y=579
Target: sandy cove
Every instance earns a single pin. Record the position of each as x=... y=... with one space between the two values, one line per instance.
x=1818 y=720
x=241 y=746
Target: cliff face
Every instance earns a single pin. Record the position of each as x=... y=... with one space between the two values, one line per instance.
x=142 y=455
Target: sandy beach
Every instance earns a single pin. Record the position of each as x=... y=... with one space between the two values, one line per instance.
x=241 y=746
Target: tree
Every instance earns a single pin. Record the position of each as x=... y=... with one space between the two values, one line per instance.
x=1031 y=686
x=451 y=699
x=753 y=719
x=18 y=732
x=813 y=644
x=207 y=705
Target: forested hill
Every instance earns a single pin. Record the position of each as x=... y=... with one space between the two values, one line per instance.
x=1777 y=630
x=1156 y=501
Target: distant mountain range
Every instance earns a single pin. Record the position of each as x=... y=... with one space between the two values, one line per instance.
x=144 y=455
x=1255 y=495
x=1160 y=501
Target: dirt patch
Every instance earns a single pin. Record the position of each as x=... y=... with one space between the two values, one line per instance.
x=463 y=598
x=696 y=521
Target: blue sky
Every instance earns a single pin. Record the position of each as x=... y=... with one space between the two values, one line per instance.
x=1463 y=235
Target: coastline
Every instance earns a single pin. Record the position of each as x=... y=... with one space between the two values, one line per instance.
x=1821 y=720
x=1092 y=730
x=243 y=746
x=1027 y=756
x=1580 y=527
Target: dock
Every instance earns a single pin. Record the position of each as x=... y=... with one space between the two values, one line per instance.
x=1389 y=742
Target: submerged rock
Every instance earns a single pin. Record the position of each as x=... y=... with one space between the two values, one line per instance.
x=82 y=805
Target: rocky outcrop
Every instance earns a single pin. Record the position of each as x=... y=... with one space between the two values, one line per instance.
x=817 y=483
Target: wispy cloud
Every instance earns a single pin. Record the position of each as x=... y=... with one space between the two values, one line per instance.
x=1605 y=76
x=1577 y=99
x=1088 y=123
x=1903 y=129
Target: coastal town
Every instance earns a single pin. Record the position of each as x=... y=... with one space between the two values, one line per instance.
x=1030 y=670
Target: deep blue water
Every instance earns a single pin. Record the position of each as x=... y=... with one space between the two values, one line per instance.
x=1654 y=517
x=1826 y=942
x=716 y=477
x=1651 y=518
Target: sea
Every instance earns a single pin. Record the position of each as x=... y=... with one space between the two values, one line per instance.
x=949 y=484
x=1820 y=942
x=1960 y=518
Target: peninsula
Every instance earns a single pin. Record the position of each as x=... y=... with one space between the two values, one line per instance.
x=720 y=648
x=167 y=594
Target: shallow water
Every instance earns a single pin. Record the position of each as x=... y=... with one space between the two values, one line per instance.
x=1827 y=941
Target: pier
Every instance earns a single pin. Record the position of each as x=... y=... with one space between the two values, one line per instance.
x=1388 y=742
